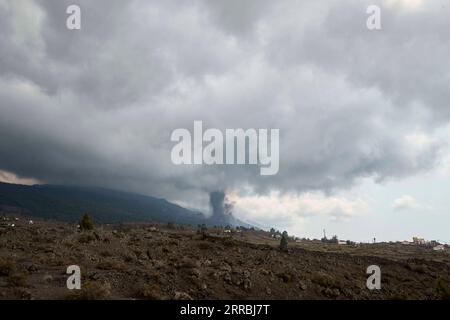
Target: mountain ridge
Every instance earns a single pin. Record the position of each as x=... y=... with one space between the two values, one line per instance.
x=68 y=203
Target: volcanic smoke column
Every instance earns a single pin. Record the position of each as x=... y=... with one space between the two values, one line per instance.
x=221 y=209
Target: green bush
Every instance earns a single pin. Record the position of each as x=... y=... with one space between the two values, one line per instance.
x=284 y=241
x=202 y=230
x=170 y=225
x=86 y=223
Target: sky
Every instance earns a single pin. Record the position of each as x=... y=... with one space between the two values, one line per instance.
x=363 y=114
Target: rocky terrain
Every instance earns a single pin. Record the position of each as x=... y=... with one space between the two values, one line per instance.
x=144 y=261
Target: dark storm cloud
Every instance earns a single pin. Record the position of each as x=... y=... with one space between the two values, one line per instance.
x=97 y=106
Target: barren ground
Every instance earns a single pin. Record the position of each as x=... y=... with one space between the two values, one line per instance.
x=136 y=262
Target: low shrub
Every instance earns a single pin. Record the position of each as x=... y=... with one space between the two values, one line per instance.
x=91 y=291
x=86 y=223
x=442 y=290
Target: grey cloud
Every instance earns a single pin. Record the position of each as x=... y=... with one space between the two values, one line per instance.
x=405 y=60
x=238 y=17
x=97 y=106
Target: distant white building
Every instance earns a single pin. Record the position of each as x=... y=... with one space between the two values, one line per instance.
x=7 y=225
x=420 y=241
x=342 y=242
x=439 y=247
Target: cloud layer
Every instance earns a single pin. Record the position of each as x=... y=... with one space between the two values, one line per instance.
x=97 y=106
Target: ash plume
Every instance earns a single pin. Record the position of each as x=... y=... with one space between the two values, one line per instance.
x=221 y=208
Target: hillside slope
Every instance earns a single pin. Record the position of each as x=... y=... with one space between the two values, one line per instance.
x=68 y=203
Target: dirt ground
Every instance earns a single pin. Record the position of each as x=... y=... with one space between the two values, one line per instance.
x=139 y=262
